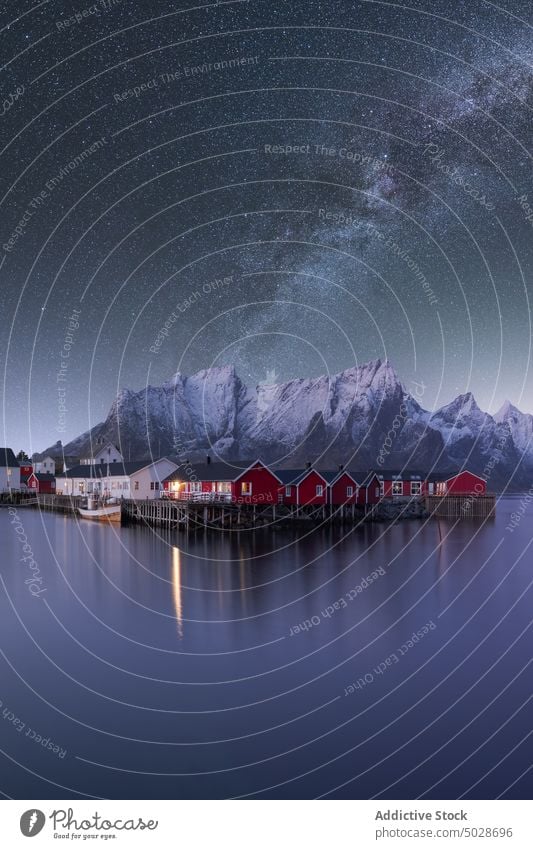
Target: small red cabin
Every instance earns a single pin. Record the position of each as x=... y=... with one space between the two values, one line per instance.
x=223 y=482
x=343 y=489
x=404 y=483
x=312 y=488
x=370 y=490
x=256 y=485
x=303 y=487
x=25 y=471
x=41 y=483
x=462 y=483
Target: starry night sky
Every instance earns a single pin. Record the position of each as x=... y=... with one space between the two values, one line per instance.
x=304 y=185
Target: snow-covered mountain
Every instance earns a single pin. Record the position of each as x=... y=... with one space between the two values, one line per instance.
x=520 y=425
x=363 y=417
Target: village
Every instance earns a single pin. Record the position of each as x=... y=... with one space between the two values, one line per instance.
x=176 y=492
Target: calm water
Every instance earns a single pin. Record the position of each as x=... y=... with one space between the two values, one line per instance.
x=159 y=666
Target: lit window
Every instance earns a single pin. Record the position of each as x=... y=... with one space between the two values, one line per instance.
x=397 y=488
x=349 y=491
x=288 y=490
x=246 y=488
x=416 y=488
x=319 y=490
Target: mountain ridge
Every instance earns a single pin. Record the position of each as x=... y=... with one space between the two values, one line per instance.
x=363 y=416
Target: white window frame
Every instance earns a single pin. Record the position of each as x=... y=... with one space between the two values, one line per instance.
x=416 y=487
x=349 y=492
x=397 y=485
x=288 y=491
x=319 y=490
x=246 y=488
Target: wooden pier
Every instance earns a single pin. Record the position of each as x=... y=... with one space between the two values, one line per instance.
x=197 y=515
x=461 y=506
x=193 y=515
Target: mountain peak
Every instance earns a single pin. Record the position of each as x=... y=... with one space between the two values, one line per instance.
x=465 y=401
x=506 y=411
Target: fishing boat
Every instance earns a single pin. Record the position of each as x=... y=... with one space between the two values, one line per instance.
x=101 y=511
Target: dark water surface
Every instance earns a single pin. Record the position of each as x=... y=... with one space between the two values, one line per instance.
x=162 y=666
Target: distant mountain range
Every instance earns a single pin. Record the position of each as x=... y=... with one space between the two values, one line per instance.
x=363 y=417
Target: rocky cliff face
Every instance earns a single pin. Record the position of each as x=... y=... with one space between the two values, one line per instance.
x=363 y=417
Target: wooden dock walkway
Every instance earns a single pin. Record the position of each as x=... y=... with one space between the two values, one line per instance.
x=461 y=506
x=197 y=515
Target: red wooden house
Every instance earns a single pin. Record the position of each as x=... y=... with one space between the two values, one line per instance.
x=25 y=471
x=344 y=489
x=404 y=483
x=460 y=483
x=208 y=481
x=304 y=487
x=370 y=489
x=256 y=485
x=41 y=483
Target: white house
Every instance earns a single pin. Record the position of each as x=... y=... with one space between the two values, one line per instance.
x=46 y=466
x=103 y=453
x=10 y=470
x=139 y=479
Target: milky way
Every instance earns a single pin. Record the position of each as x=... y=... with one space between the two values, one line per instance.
x=303 y=185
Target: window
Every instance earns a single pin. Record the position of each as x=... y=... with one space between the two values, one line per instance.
x=416 y=488
x=397 y=488
x=381 y=488
x=349 y=492
x=154 y=484
x=319 y=490
x=136 y=486
x=195 y=486
x=246 y=488
x=288 y=490
x=225 y=486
